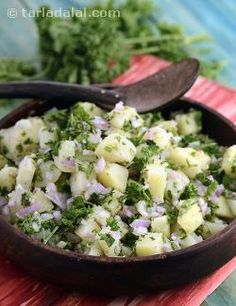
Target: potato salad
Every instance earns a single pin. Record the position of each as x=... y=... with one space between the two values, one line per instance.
x=116 y=183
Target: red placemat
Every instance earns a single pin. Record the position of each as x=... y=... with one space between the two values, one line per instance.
x=16 y=288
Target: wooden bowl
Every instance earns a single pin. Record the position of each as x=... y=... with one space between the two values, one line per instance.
x=113 y=276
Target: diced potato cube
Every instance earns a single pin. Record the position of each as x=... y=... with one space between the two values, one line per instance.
x=65 y=159
x=161 y=225
x=155 y=178
x=168 y=125
x=8 y=178
x=190 y=219
x=95 y=249
x=47 y=173
x=223 y=209
x=175 y=184
x=127 y=114
x=87 y=230
x=113 y=203
x=159 y=136
x=116 y=149
x=22 y=138
x=232 y=205
x=150 y=244
x=26 y=172
x=110 y=250
x=189 y=123
x=215 y=227
x=229 y=161
x=190 y=239
x=3 y=161
x=79 y=183
x=47 y=136
x=190 y=161
x=40 y=197
x=118 y=131
x=100 y=215
x=114 y=176
x=92 y=109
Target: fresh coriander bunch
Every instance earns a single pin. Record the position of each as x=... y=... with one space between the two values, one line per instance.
x=96 y=50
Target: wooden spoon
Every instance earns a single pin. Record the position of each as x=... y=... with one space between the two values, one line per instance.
x=153 y=92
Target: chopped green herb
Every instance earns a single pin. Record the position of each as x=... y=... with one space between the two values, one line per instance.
x=108 y=239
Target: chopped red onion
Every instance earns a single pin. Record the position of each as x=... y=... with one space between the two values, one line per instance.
x=161 y=210
x=69 y=202
x=100 y=123
x=157 y=200
x=141 y=208
x=57 y=215
x=201 y=189
x=46 y=216
x=210 y=177
x=136 y=123
x=95 y=138
x=116 y=235
x=100 y=165
x=6 y=210
x=204 y=207
x=96 y=187
x=119 y=107
x=213 y=198
x=149 y=135
x=140 y=226
x=152 y=132
x=88 y=152
x=219 y=190
x=56 y=197
x=28 y=210
x=172 y=174
x=176 y=240
x=128 y=211
x=70 y=163
x=167 y=247
x=3 y=201
x=16 y=196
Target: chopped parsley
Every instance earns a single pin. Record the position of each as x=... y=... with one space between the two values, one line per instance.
x=136 y=192
x=190 y=191
x=108 y=239
x=113 y=224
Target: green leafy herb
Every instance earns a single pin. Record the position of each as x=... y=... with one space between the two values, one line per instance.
x=190 y=191
x=147 y=152
x=58 y=116
x=172 y=214
x=203 y=142
x=135 y=192
x=108 y=239
x=212 y=188
x=129 y=240
x=26 y=225
x=79 y=209
x=113 y=224
x=63 y=184
x=92 y=50
x=14 y=69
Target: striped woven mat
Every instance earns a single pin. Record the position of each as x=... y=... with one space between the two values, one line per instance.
x=16 y=288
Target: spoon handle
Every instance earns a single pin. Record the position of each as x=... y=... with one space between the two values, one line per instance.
x=58 y=90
